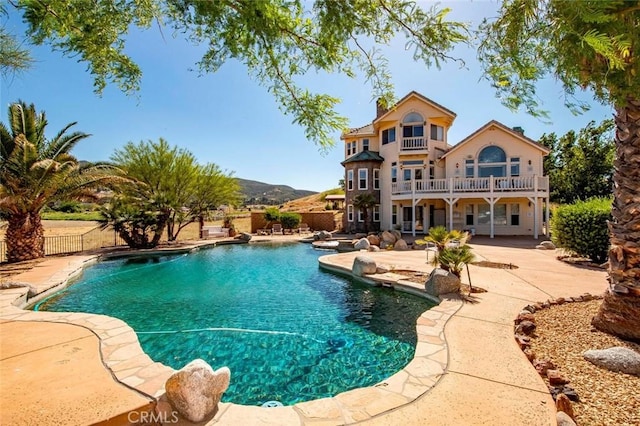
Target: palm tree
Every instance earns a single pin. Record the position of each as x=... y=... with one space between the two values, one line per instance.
x=364 y=202
x=35 y=171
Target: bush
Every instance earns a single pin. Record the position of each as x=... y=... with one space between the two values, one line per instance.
x=68 y=207
x=290 y=220
x=272 y=214
x=582 y=228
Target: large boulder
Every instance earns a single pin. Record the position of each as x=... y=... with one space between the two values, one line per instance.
x=548 y=245
x=388 y=237
x=361 y=244
x=397 y=234
x=360 y=235
x=442 y=282
x=243 y=236
x=195 y=391
x=363 y=265
x=321 y=235
x=401 y=245
x=374 y=240
x=563 y=419
x=374 y=248
x=618 y=358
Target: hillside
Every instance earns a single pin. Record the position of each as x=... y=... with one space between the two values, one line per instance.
x=263 y=193
x=310 y=203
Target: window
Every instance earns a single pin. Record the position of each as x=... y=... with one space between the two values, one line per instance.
x=432 y=169
x=413 y=131
x=363 y=176
x=394 y=174
x=360 y=215
x=394 y=214
x=406 y=174
x=351 y=148
x=365 y=144
x=468 y=215
x=349 y=180
x=388 y=136
x=413 y=117
x=468 y=168
x=515 y=166
x=376 y=213
x=376 y=178
x=350 y=213
x=492 y=161
x=499 y=214
x=515 y=214
x=437 y=133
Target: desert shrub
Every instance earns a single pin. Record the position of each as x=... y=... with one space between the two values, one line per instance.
x=290 y=220
x=582 y=228
x=68 y=207
x=328 y=206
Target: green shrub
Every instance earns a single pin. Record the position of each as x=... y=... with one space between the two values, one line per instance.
x=272 y=214
x=68 y=207
x=582 y=228
x=290 y=220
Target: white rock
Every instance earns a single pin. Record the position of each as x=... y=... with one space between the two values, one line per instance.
x=362 y=244
x=442 y=282
x=618 y=358
x=363 y=265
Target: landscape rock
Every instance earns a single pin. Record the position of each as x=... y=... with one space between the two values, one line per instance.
x=525 y=316
x=244 y=236
x=563 y=419
x=361 y=244
x=570 y=393
x=523 y=341
x=530 y=354
x=548 y=245
x=416 y=246
x=556 y=378
x=397 y=234
x=384 y=245
x=195 y=390
x=374 y=240
x=374 y=248
x=564 y=404
x=321 y=235
x=360 y=235
x=441 y=282
x=541 y=247
x=401 y=245
x=363 y=265
x=526 y=327
x=388 y=237
x=618 y=358
x=542 y=366
x=382 y=270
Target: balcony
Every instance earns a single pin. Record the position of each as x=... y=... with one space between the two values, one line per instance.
x=414 y=144
x=473 y=186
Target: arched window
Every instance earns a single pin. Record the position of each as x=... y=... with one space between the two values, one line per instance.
x=413 y=126
x=492 y=161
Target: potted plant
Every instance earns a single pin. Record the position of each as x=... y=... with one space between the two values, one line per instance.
x=228 y=223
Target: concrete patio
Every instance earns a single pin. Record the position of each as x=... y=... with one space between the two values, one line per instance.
x=70 y=368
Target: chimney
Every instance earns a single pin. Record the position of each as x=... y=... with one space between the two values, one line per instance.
x=380 y=110
x=519 y=130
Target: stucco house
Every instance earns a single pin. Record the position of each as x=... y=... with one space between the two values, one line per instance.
x=490 y=183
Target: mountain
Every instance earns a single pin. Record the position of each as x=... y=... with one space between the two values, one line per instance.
x=264 y=193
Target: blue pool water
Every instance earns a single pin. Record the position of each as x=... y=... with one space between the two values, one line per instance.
x=288 y=331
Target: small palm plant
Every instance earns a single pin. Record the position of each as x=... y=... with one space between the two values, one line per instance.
x=454 y=259
x=442 y=238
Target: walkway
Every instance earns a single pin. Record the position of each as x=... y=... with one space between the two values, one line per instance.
x=487 y=379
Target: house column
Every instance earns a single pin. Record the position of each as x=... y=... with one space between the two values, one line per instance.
x=492 y=201
x=547 y=228
x=450 y=202
x=534 y=200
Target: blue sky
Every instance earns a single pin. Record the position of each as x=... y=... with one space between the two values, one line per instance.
x=228 y=119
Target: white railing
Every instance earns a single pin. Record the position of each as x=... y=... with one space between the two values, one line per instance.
x=466 y=185
x=411 y=144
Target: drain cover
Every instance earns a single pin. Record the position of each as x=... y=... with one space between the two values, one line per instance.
x=271 y=404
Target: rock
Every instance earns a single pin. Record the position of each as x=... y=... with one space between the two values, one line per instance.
x=441 y=282
x=618 y=358
x=564 y=404
x=560 y=300
x=556 y=378
x=542 y=366
x=388 y=237
x=322 y=235
x=374 y=248
x=363 y=265
x=397 y=234
x=570 y=393
x=195 y=390
x=374 y=240
x=381 y=270
x=525 y=316
x=360 y=235
x=526 y=327
x=548 y=245
x=530 y=354
x=401 y=245
x=523 y=341
x=243 y=236
x=530 y=308
x=361 y=244
x=385 y=245
x=415 y=246
x=563 y=419
x=541 y=247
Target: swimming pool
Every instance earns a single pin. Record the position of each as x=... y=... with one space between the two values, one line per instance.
x=288 y=331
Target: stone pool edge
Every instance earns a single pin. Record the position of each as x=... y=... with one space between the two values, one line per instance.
x=123 y=356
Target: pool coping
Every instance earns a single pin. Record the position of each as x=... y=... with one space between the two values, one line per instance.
x=123 y=356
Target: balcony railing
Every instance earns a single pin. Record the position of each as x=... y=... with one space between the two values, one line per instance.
x=413 y=144
x=473 y=185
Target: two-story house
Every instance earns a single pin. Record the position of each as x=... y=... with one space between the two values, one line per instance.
x=490 y=183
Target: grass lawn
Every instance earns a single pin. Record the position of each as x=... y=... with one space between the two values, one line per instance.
x=90 y=216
